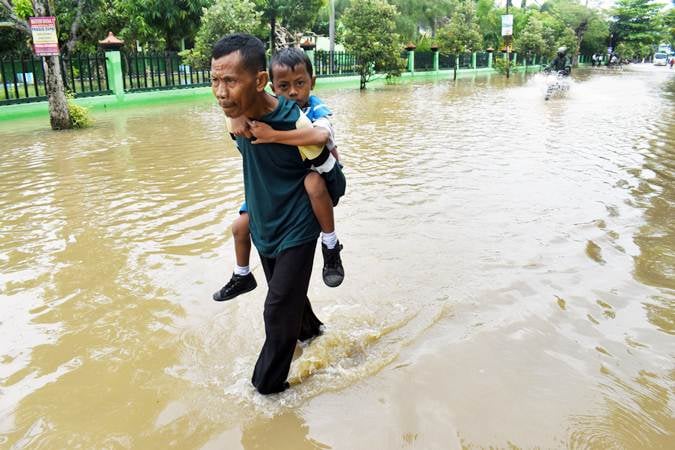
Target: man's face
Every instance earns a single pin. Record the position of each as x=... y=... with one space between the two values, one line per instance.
x=234 y=87
x=293 y=83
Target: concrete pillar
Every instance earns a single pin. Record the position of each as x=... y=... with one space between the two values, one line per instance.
x=310 y=55
x=436 y=65
x=411 y=61
x=113 y=62
x=490 y=60
x=473 y=60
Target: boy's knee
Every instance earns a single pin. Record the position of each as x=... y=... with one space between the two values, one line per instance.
x=315 y=185
x=240 y=227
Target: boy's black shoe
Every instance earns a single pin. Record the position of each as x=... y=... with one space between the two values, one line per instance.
x=238 y=284
x=333 y=272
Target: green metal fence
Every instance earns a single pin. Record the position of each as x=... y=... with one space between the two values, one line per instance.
x=424 y=61
x=151 y=71
x=23 y=78
x=341 y=63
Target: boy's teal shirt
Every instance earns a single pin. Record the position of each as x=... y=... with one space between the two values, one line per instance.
x=280 y=214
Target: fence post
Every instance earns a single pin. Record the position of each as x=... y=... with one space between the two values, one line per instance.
x=473 y=60
x=490 y=60
x=113 y=62
x=411 y=57
x=436 y=65
x=310 y=55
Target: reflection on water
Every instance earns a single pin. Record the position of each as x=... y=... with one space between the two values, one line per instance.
x=509 y=262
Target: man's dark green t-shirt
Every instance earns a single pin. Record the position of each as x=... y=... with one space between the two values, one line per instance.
x=280 y=214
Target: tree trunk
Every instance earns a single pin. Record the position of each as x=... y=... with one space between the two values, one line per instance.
x=454 y=72
x=273 y=37
x=59 y=117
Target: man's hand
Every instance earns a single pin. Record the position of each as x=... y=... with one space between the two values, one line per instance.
x=240 y=127
x=263 y=133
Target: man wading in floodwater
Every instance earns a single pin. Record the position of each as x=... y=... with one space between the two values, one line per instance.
x=282 y=224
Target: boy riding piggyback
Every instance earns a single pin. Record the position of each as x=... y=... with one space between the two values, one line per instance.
x=291 y=74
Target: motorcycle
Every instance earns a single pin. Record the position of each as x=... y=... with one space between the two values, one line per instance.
x=557 y=82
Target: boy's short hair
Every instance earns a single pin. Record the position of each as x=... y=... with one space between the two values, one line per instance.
x=251 y=48
x=290 y=57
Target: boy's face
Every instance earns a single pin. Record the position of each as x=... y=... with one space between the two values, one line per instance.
x=294 y=83
x=235 y=87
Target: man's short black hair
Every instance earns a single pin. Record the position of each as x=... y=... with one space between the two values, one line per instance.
x=251 y=48
x=290 y=57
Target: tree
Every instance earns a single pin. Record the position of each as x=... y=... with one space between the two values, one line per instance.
x=489 y=22
x=531 y=41
x=295 y=15
x=462 y=34
x=370 y=27
x=669 y=21
x=224 y=17
x=417 y=14
x=59 y=116
x=636 y=25
x=574 y=16
x=596 y=38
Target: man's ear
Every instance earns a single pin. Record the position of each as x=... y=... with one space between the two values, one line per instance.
x=261 y=80
x=313 y=81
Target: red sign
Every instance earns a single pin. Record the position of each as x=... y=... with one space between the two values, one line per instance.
x=45 y=41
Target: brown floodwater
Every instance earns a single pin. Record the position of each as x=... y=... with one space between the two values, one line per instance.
x=510 y=276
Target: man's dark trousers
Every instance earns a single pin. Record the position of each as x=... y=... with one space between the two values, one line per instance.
x=288 y=315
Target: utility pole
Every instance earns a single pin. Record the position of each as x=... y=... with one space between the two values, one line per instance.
x=331 y=26
x=507 y=40
x=331 y=33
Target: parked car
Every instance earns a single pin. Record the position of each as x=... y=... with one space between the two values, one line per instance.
x=660 y=59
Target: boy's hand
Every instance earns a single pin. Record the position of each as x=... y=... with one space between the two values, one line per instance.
x=240 y=127
x=263 y=133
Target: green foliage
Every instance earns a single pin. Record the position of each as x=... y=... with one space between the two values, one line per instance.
x=462 y=34
x=499 y=64
x=23 y=8
x=370 y=33
x=423 y=43
x=636 y=25
x=321 y=23
x=79 y=115
x=489 y=22
x=596 y=38
x=418 y=15
x=669 y=22
x=531 y=39
x=224 y=17
x=294 y=15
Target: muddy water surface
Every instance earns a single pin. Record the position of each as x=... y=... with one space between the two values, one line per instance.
x=510 y=276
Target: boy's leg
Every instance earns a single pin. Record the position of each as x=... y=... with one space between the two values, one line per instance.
x=242 y=242
x=322 y=205
x=242 y=280
x=288 y=315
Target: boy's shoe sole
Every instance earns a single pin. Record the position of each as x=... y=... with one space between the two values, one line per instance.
x=237 y=285
x=333 y=272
